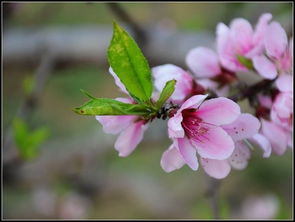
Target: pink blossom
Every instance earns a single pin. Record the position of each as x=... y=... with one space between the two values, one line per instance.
x=195 y=128
x=245 y=126
x=165 y=73
x=279 y=53
x=203 y=62
x=131 y=130
x=279 y=142
x=240 y=39
x=205 y=65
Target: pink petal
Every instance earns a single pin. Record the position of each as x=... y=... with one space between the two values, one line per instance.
x=193 y=102
x=275 y=40
x=115 y=124
x=245 y=126
x=225 y=48
x=171 y=159
x=240 y=156
x=263 y=143
x=241 y=33
x=130 y=138
x=175 y=129
x=203 y=62
x=264 y=67
x=118 y=81
x=165 y=73
x=260 y=29
x=215 y=143
x=218 y=169
x=219 y=111
x=285 y=123
x=285 y=83
x=283 y=104
x=279 y=141
x=188 y=153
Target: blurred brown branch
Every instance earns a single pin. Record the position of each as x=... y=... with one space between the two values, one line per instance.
x=139 y=33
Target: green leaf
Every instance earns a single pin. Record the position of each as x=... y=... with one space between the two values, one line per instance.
x=103 y=106
x=28 y=85
x=166 y=93
x=20 y=132
x=27 y=142
x=246 y=62
x=130 y=65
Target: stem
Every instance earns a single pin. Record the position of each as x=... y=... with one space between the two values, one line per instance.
x=251 y=91
x=212 y=191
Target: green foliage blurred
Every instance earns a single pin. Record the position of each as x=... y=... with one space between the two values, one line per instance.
x=28 y=142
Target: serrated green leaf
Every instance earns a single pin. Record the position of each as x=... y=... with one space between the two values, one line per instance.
x=103 y=106
x=130 y=65
x=166 y=93
x=245 y=61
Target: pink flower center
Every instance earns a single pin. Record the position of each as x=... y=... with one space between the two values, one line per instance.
x=194 y=126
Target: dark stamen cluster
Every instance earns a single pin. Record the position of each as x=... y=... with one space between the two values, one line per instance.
x=168 y=110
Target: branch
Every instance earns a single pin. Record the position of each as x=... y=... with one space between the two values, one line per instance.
x=122 y=14
x=252 y=91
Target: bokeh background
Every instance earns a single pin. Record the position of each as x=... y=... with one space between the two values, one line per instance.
x=50 y=52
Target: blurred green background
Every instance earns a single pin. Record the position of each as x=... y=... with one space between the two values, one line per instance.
x=77 y=173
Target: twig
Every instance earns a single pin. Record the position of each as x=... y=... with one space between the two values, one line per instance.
x=253 y=90
x=139 y=33
x=212 y=192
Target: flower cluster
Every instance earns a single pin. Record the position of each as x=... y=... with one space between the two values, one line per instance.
x=207 y=127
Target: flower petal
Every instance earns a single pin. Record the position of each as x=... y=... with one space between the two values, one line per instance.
x=278 y=142
x=261 y=27
x=225 y=48
x=285 y=83
x=167 y=72
x=175 y=129
x=115 y=124
x=240 y=156
x=264 y=67
x=130 y=138
x=193 y=102
x=215 y=143
x=276 y=40
x=219 y=111
x=188 y=153
x=171 y=159
x=245 y=126
x=218 y=169
x=203 y=62
x=241 y=33
x=263 y=143
x=118 y=81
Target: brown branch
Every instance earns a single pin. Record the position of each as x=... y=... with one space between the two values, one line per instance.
x=122 y=14
x=252 y=91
